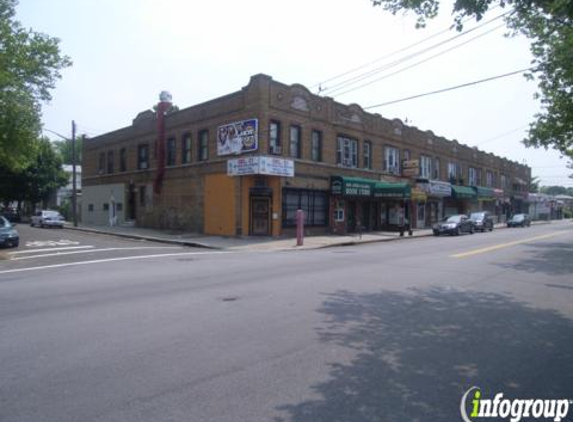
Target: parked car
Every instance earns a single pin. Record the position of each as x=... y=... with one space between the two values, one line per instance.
x=8 y=234
x=454 y=224
x=11 y=215
x=47 y=218
x=519 y=220
x=482 y=220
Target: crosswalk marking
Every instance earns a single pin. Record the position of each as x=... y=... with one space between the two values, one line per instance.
x=45 y=255
x=50 y=249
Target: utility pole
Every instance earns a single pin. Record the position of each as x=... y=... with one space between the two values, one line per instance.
x=74 y=197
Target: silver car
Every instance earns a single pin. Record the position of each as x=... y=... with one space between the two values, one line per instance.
x=47 y=218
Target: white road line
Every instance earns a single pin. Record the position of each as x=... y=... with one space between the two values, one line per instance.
x=99 y=261
x=49 y=249
x=92 y=251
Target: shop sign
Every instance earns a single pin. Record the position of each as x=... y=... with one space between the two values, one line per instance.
x=260 y=165
x=238 y=137
x=411 y=168
x=357 y=189
x=418 y=194
x=437 y=188
x=351 y=186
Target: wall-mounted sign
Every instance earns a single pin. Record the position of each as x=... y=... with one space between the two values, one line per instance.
x=411 y=164
x=437 y=188
x=260 y=165
x=238 y=137
x=351 y=186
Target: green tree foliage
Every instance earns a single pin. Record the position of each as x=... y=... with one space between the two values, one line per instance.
x=64 y=148
x=549 y=26
x=37 y=180
x=30 y=64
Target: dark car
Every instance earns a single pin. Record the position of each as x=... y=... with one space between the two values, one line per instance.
x=519 y=220
x=482 y=221
x=454 y=224
x=11 y=215
x=8 y=234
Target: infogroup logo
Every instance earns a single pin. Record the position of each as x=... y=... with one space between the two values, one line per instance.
x=514 y=409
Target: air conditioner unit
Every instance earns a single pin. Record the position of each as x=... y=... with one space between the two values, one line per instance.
x=276 y=149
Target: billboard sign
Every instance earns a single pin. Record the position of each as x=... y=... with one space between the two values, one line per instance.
x=238 y=137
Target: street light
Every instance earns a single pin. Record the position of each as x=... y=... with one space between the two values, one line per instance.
x=74 y=194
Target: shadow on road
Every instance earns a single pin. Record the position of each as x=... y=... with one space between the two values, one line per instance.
x=418 y=352
x=552 y=258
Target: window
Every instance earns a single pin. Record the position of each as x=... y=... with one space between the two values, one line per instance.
x=472 y=176
x=436 y=168
x=425 y=166
x=106 y=206
x=110 y=162
x=316 y=145
x=392 y=160
x=314 y=204
x=347 y=152
x=367 y=155
x=171 y=152
x=203 y=145
x=143 y=156
x=142 y=196
x=489 y=179
x=91 y=208
x=407 y=155
x=295 y=142
x=275 y=137
x=459 y=173
x=502 y=181
x=451 y=171
x=122 y=159
x=101 y=163
x=186 y=148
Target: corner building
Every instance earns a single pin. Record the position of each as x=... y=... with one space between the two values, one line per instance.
x=244 y=163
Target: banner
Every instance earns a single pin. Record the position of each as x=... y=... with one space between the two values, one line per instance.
x=238 y=137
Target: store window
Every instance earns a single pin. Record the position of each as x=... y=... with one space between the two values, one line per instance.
x=314 y=204
x=346 y=152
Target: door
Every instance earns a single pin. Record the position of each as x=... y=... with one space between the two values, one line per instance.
x=260 y=216
x=421 y=220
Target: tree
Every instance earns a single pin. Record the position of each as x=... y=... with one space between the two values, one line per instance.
x=30 y=64
x=549 y=26
x=64 y=148
x=554 y=190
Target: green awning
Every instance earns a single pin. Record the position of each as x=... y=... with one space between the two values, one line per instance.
x=484 y=193
x=463 y=192
x=392 y=190
x=351 y=186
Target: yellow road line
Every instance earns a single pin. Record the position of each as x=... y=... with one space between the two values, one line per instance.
x=507 y=245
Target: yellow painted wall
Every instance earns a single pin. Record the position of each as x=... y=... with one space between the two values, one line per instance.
x=219 y=208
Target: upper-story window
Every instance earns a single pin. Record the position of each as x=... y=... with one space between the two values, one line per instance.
x=101 y=163
x=346 y=152
x=316 y=146
x=203 y=145
x=502 y=181
x=472 y=176
x=392 y=160
x=425 y=166
x=452 y=171
x=143 y=156
x=489 y=179
x=367 y=155
x=295 y=147
x=171 y=152
x=436 y=168
x=123 y=159
x=275 y=137
x=186 y=143
x=406 y=154
x=110 y=161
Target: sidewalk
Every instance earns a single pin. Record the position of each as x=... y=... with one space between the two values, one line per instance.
x=253 y=243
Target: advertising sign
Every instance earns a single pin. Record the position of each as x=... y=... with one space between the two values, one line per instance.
x=411 y=164
x=238 y=137
x=260 y=165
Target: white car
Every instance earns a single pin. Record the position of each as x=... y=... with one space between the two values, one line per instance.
x=47 y=218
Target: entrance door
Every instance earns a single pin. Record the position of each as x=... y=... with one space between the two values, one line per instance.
x=260 y=216
x=421 y=221
x=351 y=216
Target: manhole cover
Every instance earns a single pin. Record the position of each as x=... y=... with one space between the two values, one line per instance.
x=230 y=298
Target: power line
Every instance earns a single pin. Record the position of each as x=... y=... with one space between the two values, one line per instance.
x=500 y=135
x=439 y=91
x=420 y=62
x=360 y=77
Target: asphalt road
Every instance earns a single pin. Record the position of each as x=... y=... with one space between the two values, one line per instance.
x=393 y=331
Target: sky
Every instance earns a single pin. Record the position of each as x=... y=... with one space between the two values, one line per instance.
x=125 y=52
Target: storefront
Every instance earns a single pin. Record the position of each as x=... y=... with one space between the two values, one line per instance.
x=461 y=202
x=485 y=198
x=436 y=191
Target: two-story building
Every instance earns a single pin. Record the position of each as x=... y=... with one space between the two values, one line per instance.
x=244 y=163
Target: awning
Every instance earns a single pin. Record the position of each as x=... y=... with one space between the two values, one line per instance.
x=484 y=194
x=392 y=190
x=351 y=186
x=463 y=192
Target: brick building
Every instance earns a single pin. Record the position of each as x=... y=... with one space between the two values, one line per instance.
x=244 y=163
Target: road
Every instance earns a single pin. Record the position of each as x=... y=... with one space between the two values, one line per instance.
x=393 y=331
